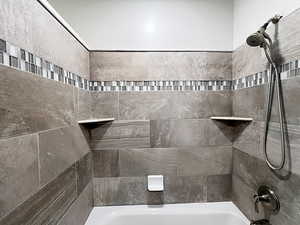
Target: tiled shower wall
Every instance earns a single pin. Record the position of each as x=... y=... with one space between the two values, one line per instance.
x=161 y=132
x=45 y=159
x=249 y=168
x=166 y=130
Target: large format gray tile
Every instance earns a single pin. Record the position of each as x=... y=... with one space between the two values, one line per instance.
x=36 y=35
x=106 y=163
x=219 y=188
x=134 y=134
x=59 y=149
x=160 y=65
x=38 y=104
x=105 y=104
x=108 y=131
x=121 y=134
x=219 y=66
x=84 y=167
x=18 y=171
x=247 y=138
x=189 y=133
x=119 y=191
x=48 y=205
x=204 y=161
x=291 y=93
x=185 y=189
x=80 y=209
x=174 y=105
x=84 y=104
x=249 y=102
x=143 y=162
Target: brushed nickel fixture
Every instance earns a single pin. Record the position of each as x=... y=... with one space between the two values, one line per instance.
x=268 y=198
x=263 y=40
x=260 y=222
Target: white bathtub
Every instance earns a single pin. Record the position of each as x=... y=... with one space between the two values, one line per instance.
x=221 y=213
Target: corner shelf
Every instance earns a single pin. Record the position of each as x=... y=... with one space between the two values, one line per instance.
x=232 y=118
x=95 y=121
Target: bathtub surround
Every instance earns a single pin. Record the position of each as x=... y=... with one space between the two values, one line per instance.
x=249 y=168
x=177 y=133
x=162 y=102
x=161 y=132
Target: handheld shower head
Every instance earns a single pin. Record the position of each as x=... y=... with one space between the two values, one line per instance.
x=259 y=38
x=256 y=39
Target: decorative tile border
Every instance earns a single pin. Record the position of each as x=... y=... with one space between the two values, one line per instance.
x=286 y=70
x=21 y=59
x=251 y=80
x=159 y=85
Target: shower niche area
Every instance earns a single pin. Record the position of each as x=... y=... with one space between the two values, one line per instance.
x=83 y=128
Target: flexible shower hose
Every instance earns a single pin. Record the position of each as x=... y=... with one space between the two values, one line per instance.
x=274 y=79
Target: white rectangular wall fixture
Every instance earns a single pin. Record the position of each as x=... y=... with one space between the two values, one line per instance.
x=155 y=183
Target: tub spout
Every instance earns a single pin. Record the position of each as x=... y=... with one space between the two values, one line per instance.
x=260 y=222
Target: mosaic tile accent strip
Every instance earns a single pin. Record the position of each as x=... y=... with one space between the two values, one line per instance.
x=286 y=70
x=170 y=85
x=21 y=59
x=251 y=80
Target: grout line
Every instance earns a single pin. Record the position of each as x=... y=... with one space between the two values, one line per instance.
x=33 y=133
x=118 y=106
x=76 y=165
x=39 y=160
x=56 y=128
